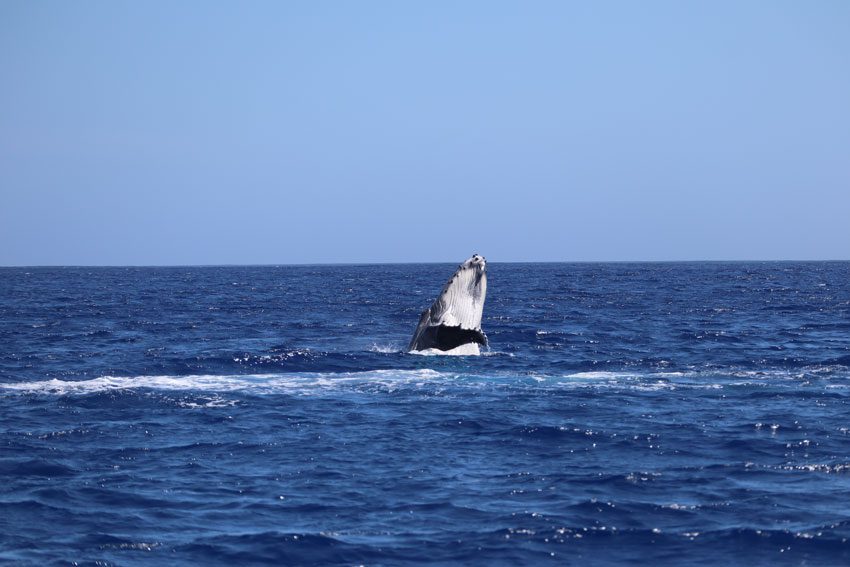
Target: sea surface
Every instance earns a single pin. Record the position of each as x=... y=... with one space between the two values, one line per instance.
x=624 y=414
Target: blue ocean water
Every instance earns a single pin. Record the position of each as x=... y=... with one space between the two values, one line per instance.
x=682 y=413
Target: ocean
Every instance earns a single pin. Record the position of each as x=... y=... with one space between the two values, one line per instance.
x=624 y=414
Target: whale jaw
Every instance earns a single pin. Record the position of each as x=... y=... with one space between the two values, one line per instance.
x=454 y=319
x=446 y=337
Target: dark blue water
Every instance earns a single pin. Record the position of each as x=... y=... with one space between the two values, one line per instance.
x=625 y=414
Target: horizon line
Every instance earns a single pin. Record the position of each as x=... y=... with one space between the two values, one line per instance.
x=306 y=264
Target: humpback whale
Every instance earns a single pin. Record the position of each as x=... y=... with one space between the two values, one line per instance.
x=452 y=325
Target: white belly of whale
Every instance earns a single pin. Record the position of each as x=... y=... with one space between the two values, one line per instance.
x=469 y=349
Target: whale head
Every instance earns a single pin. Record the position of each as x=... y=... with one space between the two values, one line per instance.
x=468 y=284
x=455 y=317
x=475 y=262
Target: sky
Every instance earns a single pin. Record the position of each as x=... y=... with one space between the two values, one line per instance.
x=200 y=132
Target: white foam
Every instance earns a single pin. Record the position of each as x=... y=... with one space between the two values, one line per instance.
x=604 y=375
x=498 y=353
x=385 y=349
x=255 y=383
x=468 y=349
x=305 y=383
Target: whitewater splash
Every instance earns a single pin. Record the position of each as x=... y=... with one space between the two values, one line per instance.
x=831 y=377
x=255 y=383
x=468 y=349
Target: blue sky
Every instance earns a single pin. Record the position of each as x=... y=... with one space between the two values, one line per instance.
x=300 y=132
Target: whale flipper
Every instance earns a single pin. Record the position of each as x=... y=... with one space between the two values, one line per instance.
x=454 y=319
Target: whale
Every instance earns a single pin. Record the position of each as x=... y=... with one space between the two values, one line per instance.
x=452 y=324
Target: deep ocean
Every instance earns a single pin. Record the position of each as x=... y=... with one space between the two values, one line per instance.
x=624 y=414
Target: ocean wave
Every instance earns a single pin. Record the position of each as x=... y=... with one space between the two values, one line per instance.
x=833 y=378
x=255 y=383
x=606 y=375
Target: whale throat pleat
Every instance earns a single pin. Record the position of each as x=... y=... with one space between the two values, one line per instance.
x=461 y=304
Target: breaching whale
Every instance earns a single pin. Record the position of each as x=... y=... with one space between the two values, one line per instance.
x=452 y=325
